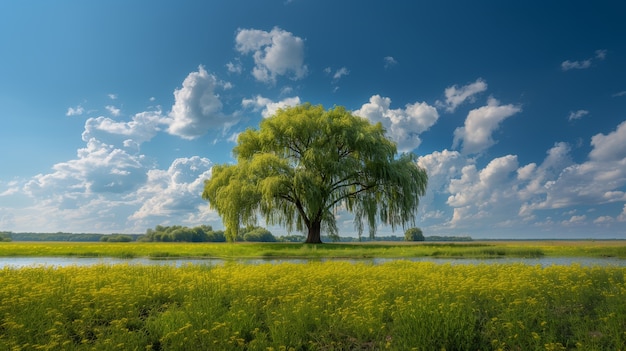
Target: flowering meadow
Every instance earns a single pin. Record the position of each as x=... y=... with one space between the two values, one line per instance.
x=399 y=305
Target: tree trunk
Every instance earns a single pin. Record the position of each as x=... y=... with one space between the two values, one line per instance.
x=314 y=236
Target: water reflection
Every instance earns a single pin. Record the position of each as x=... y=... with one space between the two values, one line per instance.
x=17 y=262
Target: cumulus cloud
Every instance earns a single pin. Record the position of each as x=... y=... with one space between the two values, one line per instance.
x=276 y=53
x=99 y=168
x=441 y=166
x=175 y=191
x=267 y=106
x=610 y=147
x=574 y=115
x=143 y=127
x=479 y=188
x=599 y=180
x=583 y=64
x=455 y=96
x=403 y=125
x=480 y=123
x=197 y=107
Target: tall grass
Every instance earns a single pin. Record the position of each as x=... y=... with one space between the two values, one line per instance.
x=292 y=250
x=400 y=305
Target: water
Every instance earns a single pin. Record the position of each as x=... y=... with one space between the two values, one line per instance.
x=18 y=262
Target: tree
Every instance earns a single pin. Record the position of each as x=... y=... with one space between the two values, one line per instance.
x=5 y=236
x=258 y=234
x=414 y=234
x=304 y=163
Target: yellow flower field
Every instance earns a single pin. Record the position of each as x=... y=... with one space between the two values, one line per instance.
x=399 y=305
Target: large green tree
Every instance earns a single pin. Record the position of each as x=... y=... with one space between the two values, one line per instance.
x=305 y=163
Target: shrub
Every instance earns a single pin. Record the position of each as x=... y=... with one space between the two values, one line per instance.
x=414 y=234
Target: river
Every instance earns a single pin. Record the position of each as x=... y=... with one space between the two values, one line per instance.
x=18 y=262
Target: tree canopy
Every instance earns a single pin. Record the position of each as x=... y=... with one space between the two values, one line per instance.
x=414 y=234
x=305 y=163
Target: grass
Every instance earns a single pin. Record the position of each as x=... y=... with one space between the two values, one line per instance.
x=487 y=249
x=399 y=305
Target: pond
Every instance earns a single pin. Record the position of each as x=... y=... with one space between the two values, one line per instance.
x=17 y=262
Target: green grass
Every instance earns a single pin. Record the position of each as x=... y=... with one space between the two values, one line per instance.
x=291 y=250
x=400 y=305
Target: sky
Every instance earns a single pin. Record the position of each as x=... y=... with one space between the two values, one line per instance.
x=114 y=112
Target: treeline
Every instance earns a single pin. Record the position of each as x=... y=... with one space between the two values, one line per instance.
x=62 y=236
x=204 y=233
x=177 y=233
x=399 y=238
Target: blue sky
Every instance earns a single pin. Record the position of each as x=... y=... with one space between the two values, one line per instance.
x=114 y=112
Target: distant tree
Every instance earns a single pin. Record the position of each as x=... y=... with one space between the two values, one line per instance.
x=116 y=238
x=216 y=236
x=177 y=233
x=414 y=234
x=304 y=163
x=259 y=234
x=5 y=237
x=292 y=238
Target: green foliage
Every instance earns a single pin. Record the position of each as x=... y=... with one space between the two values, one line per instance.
x=258 y=234
x=414 y=234
x=5 y=237
x=116 y=238
x=398 y=305
x=58 y=236
x=177 y=233
x=304 y=163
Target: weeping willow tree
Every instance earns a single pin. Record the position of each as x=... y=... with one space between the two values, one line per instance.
x=305 y=163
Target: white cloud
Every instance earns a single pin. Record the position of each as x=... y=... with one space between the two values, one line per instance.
x=480 y=123
x=483 y=194
x=574 y=220
x=75 y=111
x=234 y=67
x=441 y=166
x=268 y=107
x=601 y=54
x=113 y=110
x=403 y=125
x=577 y=114
x=343 y=71
x=599 y=180
x=99 y=168
x=389 y=61
x=175 y=192
x=112 y=96
x=143 y=127
x=583 y=64
x=611 y=147
x=276 y=53
x=455 y=96
x=622 y=216
x=568 y=65
x=197 y=107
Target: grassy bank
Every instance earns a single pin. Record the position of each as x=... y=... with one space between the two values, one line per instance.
x=399 y=305
x=275 y=250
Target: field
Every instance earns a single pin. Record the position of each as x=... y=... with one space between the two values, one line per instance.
x=486 y=249
x=400 y=305
x=332 y=305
